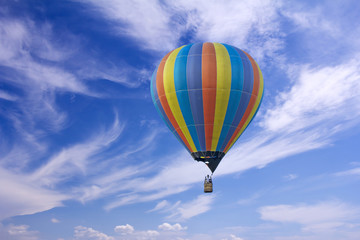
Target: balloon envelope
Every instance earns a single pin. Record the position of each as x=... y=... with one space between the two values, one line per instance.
x=207 y=94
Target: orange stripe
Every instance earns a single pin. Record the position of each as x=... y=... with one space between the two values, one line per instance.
x=252 y=101
x=209 y=90
x=164 y=103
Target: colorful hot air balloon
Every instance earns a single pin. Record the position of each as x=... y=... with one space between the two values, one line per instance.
x=207 y=94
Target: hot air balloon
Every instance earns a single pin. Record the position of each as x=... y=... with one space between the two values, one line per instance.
x=207 y=94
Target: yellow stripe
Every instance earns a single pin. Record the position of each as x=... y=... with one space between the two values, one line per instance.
x=253 y=111
x=223 y=87
x=169 y=86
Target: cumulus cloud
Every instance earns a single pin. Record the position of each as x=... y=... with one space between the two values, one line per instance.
x=85 y=233
x=169 y=227
x=124 y=229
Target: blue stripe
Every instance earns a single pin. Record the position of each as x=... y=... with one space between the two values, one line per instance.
x=194 y=84
x=159 y=108
x=248 y=72
x=237 y=81
x=182 y=92
x=163 y=116
x=245 y=96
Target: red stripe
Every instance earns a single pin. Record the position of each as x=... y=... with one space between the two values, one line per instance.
x=251 y=102
x=164 y=103
x=209 y=90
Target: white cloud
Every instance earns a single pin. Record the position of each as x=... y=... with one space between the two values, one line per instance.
x=20 y=39
x=190 y=209
x=55 y=220
x=19 y=196
x=354 y=171
x=72 y=160
x=134 y=197
x=37 y=191
x=244 y=24
x=233 y=237
x=290 y=177
x=124 y=229
x=151 y=233
x=323 y=216
x=7 y=96
x=147 y=21
x=169 y=227
x=319 y=94
x=160 y=206
x=86 y=233
x=17 y=232
x=313 y=17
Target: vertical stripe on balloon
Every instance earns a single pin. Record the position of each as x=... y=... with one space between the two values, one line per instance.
x=182 y=93
x=223 y=87
x=237 y=80
x=245 y=96
x=164 y=102
x=209 y=90
x=172 y=100
x=160 y=110
x=194 y=83
x=250 y=110
x=259 y=97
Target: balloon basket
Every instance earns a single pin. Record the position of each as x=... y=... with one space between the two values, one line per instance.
x=208 y=187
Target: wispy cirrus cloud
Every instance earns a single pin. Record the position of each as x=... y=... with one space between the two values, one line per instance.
x=351 y=172
x=147 y=22
x=180 y=211
x=43 y=183
x=77 y=158
x=192 y=208
x=320 y=217
x=16 y=200
x=243 y=24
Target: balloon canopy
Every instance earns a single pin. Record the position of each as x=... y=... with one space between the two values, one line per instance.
x=207 y=94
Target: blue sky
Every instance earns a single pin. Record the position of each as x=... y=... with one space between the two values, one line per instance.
x=84 y=155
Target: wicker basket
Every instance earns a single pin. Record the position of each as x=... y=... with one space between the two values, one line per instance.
x=208 y=187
